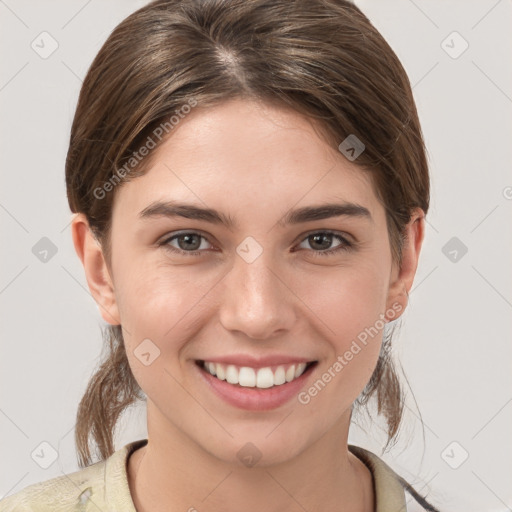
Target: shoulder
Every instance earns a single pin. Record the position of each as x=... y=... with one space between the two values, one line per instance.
x=83 y=490
x=57 y=494
x=392 y=492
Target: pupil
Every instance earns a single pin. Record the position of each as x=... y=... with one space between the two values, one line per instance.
x=187 y=238
x=326 y=237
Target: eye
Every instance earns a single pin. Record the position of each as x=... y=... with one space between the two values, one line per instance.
x=322 y=240
x=188 y=243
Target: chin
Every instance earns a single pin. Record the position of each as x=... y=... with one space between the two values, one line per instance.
x=258 y=450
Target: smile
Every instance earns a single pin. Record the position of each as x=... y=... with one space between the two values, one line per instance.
x=262 y=378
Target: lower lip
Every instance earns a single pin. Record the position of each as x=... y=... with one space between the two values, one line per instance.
x=255 y=399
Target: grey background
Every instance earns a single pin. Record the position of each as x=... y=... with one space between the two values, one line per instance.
x=455 y=338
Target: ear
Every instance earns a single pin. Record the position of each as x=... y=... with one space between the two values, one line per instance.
x=403 y=277
x=97 y=274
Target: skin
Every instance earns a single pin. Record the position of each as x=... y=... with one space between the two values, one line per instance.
x=253 y=162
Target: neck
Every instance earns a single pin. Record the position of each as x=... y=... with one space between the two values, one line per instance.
x=173 y=473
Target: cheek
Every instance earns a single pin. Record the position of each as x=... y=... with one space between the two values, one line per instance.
x=347 y=308
x=347 y=300
x=155 y=301
x=155 y=306
x=162 y=304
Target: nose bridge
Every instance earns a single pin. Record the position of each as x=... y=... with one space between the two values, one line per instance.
x=255 y=300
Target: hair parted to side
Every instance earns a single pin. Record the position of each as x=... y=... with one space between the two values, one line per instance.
x=323 y=58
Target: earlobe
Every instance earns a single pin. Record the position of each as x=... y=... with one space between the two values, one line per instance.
x=97 y=274
x=403 y=277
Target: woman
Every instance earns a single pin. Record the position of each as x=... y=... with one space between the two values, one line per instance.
x=250 y=187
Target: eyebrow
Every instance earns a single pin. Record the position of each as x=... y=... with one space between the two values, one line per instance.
x=173 y=209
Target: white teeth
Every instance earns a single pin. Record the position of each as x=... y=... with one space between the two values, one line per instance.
x=279 y=376
x=290 y=373
x=265 y=378
x=231 y=374
x=300 y=369
x=221 y=374
x=249 y=377
x=211 y=368
x=246 y=377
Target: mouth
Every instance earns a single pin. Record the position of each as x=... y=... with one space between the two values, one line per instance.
x=265 y=378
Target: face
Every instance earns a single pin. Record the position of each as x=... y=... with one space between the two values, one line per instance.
x=259 y=281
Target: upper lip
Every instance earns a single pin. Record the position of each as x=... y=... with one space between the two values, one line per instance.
x=257 y=362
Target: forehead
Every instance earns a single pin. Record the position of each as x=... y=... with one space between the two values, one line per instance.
x=249 y=155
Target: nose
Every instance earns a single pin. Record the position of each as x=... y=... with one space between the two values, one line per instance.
x=256 y=300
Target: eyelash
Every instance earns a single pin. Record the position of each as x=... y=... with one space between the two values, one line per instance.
x=344 y=246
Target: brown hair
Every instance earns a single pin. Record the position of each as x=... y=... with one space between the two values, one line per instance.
x=323 y=58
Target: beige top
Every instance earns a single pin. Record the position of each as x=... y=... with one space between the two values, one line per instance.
x=104 y=486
